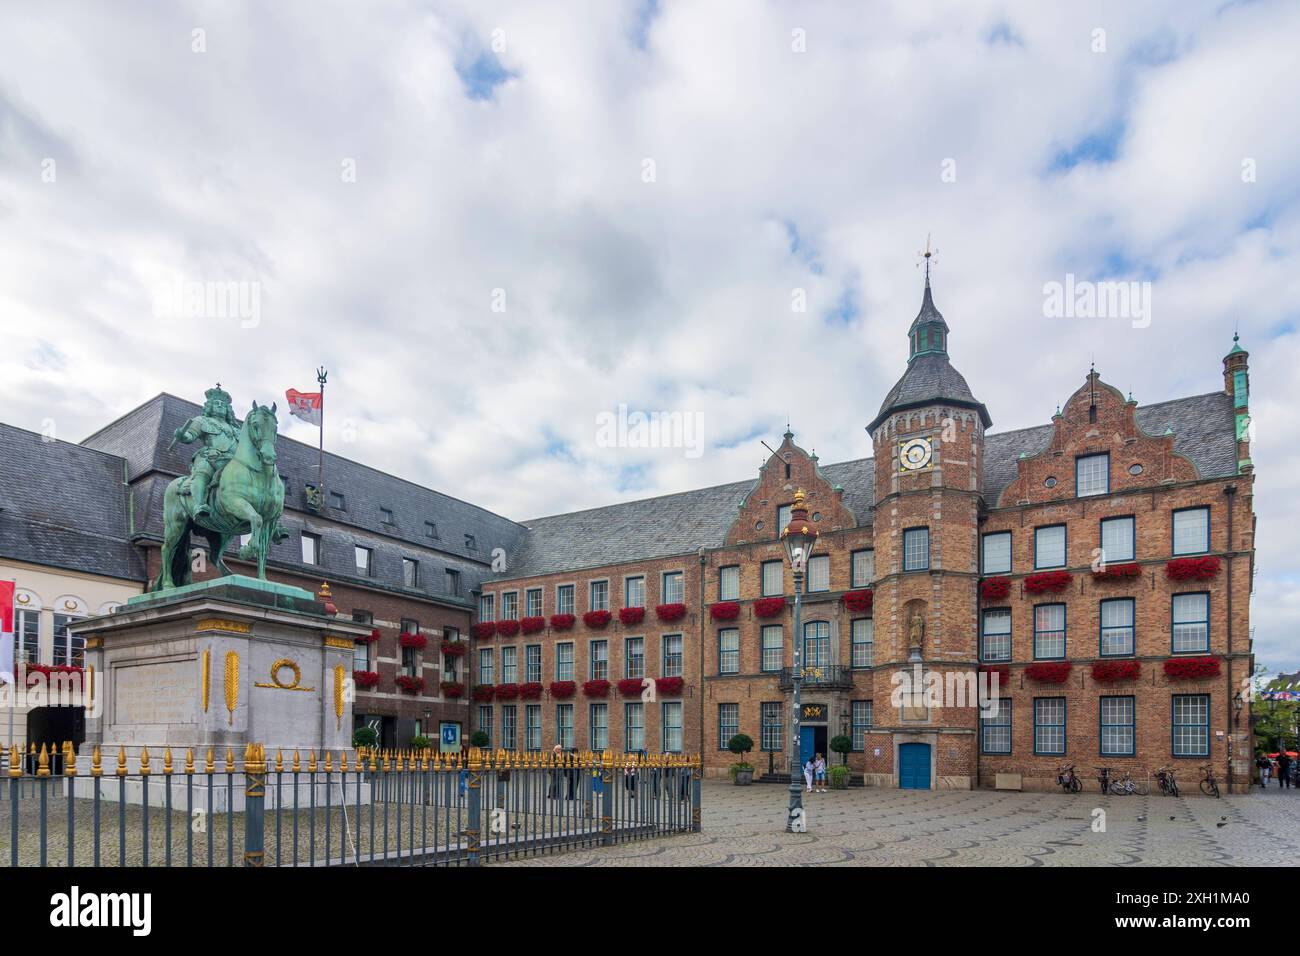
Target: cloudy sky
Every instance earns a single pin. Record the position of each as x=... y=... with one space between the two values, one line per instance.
x=494 y=221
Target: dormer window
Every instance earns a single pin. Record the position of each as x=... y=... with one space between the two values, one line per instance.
x=386 y=515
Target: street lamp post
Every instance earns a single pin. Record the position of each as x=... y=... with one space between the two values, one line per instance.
x=799 y=538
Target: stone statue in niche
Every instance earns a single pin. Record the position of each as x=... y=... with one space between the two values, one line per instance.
x=915 y=636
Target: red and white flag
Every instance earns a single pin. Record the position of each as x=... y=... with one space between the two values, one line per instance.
x=309 y=406
x=6 y=632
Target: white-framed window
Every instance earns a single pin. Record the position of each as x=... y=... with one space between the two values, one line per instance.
x=485 y=721
x=410 y=662
x=364 y=560
x=819 y=573
x=729 y=583
x=598 y=726
x=729 y=650
x=817 y=644
x=361 y=652
x=861 y=714
x=634 y=591
x=783 y=513
x=916 y=549
x=533 y=726
x=410 y=572
x=1049 y=632
x=310 y=548
x=1049 y=547
x=634 y=657
x=995 y=729
x=633 y=727
x=487 y=607
x=533 y=598
x=485 y=665
x=670 y=726
x=27 y=636
x=564 y=661
x=672 y=666
x=773 y=578
x=728 y=723
x=533 y=663
x=863 y=641
x=863 y=568
x=674 y=591
x=1049 y=725
x=1191 y=725
x=1191 y=623
x=451 y=580
x=564 y=725
x=598 y=595
x=509 y=719
x=1117 y=726
x=1117 y=539
x=510 y=606
x=564 y=599
x=69 y=648
x=1092 y=475
x=1117 y=627
x=599 y=657
x=1192 y=531
x=509 y=665
x=996 y=558
x=773 y=647
x=995 y=635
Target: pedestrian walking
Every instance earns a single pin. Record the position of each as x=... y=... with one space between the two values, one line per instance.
x=1265 y=770
x=808 y=774
x=1283 y=770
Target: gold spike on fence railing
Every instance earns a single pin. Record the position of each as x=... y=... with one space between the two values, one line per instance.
x=96 y=767
x=297 y=762
x=374 y=762
x=279 y=761
x=343 y=762
x=230 y=760
x=43 y=763
x=329 y=763
x=69 y=760
x=167 y=761
x=121 y=761
x=311 y=761
x=144 y=761
x=15 y=762
x=189 y=760
x=208 y=765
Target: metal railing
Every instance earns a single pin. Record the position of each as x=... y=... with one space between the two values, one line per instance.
x=414 y=807
x=827 y=675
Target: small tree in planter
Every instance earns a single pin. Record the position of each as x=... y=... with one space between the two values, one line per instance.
x=842 y=745
x=479 y=739
x=421 y=742
x=840 y=777
x=365 y=737
x=742 y=772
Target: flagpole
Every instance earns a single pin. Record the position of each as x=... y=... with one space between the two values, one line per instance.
x=321 y=374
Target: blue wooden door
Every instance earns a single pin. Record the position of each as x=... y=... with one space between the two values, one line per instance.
x=914 y=766
x=807 y=745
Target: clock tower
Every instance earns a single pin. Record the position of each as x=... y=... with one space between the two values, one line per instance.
x=929 y=449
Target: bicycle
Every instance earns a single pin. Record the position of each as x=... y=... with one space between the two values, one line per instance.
x=1209 y=786
x=1103 y=777
x=1168 y=785
x=1125 y=787
x=1066 y=779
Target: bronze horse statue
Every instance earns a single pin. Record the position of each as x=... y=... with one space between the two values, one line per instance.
x=247 y=498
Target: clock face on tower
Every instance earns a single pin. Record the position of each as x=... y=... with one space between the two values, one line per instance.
x=914 y=454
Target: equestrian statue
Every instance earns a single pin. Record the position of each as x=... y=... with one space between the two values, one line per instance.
x=233 y=488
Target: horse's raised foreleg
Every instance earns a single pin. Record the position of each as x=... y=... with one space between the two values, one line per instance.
x=217 y=549
x=241 y=509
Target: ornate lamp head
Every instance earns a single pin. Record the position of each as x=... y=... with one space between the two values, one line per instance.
x=799 y=536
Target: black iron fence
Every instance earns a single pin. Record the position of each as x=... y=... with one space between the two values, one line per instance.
x=337 y=809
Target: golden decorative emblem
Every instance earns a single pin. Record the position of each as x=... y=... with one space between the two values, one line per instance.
x=24 y=599
x=207 y=678
x=93 y=642
x=277 y=684
x=219 y=624
x=342 y=643
x=232 y=683
x=339 y=681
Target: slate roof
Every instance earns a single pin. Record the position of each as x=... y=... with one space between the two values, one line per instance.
x=1203 y=426
x=64 y=506
x=929 y=378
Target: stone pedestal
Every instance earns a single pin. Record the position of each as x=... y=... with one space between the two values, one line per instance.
x=218 y=665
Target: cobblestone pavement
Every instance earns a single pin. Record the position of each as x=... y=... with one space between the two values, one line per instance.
x=743 y=826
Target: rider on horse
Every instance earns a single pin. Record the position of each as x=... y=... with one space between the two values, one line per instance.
x=219 y=432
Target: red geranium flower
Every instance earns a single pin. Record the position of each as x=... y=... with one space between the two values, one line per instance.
x=531 y=625
x=858 y=601
x=484 y=629
x=995 y=589
x=531 y=691
x=630 y=687
x=562 y=622
x=725 y=611
x=1048 y=672
x=563 y=689
x=1191 y=668
x=596 y=619
x=769 y=606
x=507 y=628
x=669 y=686
x=596 y=688
x=631 y=615
x=1192 y=569
x=670 y=612
x=506 y=691
x=1047 y=581
x=1108 y=672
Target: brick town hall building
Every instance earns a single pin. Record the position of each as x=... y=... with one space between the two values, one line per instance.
x=1100 y=565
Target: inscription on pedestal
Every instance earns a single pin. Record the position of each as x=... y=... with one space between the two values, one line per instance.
x=158 y=693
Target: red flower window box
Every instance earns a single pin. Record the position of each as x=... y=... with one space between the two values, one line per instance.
x=453 y=648
x=1048 y=672
x=1192 y=569
x=597 y=619
x=507 y=628
x=725 y=611
x=1047 y=581
x=412 y=685
x=1110 y=672
x=48 y=669
x=995 y=589
x=563 y=689
x=532 y=625
x=415 y=641
x=769 y=606
x=531 y=691
x=1191 y=668
x=483 y=630
x=1002 y=670
x=505 y=691
x=631 y=615
x=596 y=688
x=858 y=602
x=365 y=678
x=369 y=638
x=452 y=688
x=630 y=687
x=562 y=622
x=482 y=692
x=669 y=686
x=670 y=612
x=1118 y=572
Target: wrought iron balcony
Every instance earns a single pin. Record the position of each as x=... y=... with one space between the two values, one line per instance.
x=827 y=675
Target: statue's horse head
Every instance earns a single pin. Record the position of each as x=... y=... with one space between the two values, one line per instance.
x=260 y=426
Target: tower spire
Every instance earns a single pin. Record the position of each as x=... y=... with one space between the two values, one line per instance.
x=929 y=332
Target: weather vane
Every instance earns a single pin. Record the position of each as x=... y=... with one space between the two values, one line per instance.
x=926 y=255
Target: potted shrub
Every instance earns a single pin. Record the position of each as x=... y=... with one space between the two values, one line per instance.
x=365 y=737
x=479 y=738
x=420 y=742
x=742 y=772
x=840 y=777
x=841 y=745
